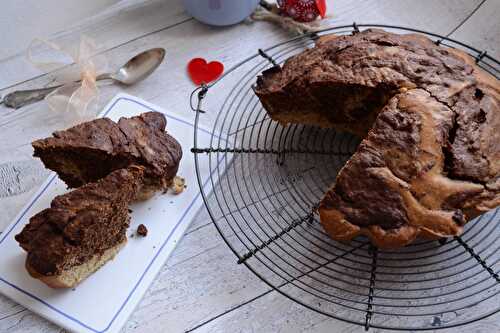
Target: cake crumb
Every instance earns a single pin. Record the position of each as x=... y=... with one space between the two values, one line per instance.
x=178 y=184
x=142 y=230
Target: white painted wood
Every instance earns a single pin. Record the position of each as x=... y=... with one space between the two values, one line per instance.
x=482 y=30
x=201 y=281
x=33 y=18
x=126 y=21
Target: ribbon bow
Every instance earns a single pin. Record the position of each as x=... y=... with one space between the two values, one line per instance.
x=74 y=100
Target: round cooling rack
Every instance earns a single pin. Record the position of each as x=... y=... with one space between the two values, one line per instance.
x=267 y=180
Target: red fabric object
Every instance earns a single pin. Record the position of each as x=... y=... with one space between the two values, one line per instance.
x=202 y=72
x=321 y=7
x=303 y=10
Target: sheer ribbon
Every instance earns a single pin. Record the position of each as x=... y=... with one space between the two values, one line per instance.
x=76 y=99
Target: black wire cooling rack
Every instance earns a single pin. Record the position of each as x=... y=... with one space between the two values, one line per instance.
x=267 y=180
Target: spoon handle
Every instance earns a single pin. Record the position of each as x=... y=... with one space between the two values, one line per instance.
x=20 y=98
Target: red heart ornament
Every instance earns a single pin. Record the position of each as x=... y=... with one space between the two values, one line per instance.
x=202 y=72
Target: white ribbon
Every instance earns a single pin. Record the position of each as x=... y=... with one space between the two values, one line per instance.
x=75 y=101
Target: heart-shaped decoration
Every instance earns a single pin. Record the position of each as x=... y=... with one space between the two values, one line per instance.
x=202 y=72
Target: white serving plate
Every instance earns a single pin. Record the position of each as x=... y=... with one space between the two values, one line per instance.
x=104 y=301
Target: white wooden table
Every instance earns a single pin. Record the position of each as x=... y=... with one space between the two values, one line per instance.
x=200 y=289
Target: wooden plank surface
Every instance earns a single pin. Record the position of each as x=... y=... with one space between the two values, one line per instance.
x=117 y=25
x=201 y=287
x=482 y=29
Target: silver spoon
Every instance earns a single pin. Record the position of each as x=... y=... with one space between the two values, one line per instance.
x=135 y=70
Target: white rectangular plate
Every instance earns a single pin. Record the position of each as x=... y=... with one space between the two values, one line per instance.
x=104 y=301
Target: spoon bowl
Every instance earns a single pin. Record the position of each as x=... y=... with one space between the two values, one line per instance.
x=139 y=67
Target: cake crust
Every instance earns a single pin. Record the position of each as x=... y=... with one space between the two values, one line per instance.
x=430 y=122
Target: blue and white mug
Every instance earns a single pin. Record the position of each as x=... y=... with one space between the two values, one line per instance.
x=220 y=12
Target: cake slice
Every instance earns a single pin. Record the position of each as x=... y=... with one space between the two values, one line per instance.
x=91 y=150
x=81 y=230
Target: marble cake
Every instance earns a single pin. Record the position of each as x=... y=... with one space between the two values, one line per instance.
x=89 y=151
x=81 y=230
x=430 y=122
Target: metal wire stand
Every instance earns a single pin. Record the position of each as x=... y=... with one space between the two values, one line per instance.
x=264 y=203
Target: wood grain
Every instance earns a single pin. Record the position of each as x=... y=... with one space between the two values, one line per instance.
x=19 y=177
x=201 y=287
x=120 y=24
x=482 y=30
